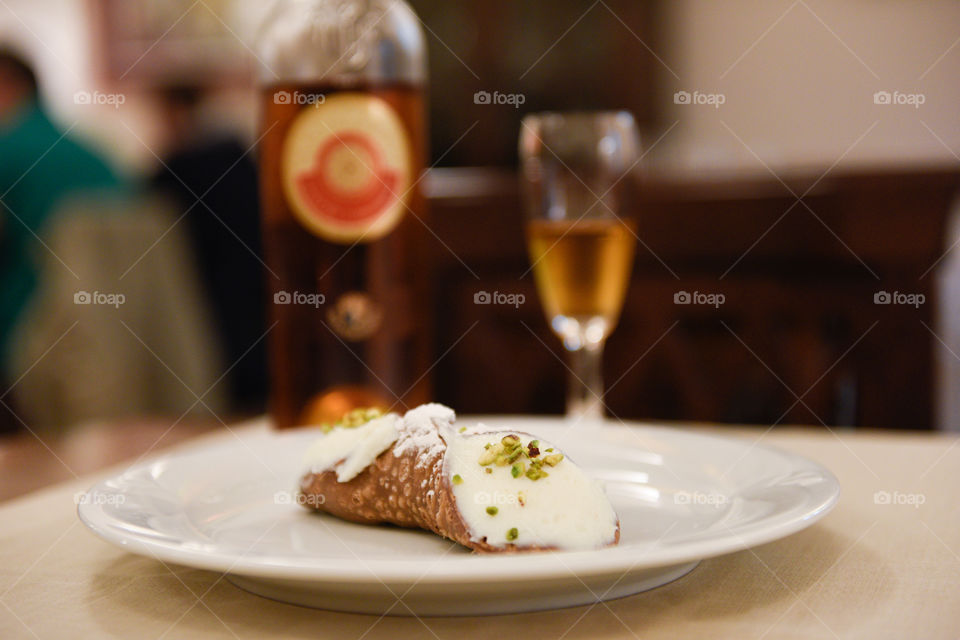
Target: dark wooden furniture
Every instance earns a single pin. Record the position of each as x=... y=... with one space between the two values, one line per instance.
x=799 y=319
x=529 y=49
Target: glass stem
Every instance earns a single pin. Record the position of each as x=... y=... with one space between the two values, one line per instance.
x=585 y=391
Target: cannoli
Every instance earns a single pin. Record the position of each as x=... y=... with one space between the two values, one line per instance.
x=488 y=490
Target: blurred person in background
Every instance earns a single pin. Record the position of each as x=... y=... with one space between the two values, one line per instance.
x=40 y=165
x=206 y=163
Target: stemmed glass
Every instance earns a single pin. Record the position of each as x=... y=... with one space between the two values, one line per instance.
x=580 y=236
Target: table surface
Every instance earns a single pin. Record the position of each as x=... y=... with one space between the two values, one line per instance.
x=883 y=564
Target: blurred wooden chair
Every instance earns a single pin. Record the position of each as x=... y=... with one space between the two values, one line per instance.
x=118 y=325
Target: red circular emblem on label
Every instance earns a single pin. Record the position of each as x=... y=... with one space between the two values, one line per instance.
x=349 y=200
x=346 y=168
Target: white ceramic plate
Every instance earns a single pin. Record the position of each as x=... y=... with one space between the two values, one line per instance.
x=681 y=497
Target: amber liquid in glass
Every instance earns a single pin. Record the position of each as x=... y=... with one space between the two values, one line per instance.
x=582 y=268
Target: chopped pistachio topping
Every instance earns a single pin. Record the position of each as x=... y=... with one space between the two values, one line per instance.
x=457 y=479
x=550 y=449
x=510 y=451
x=535 y=473
x=522 y=499
x=489 y=456
x=355 y=418
x=553 y=459
x=462 y=429
x=512 y=534
x=488 y=470
x=492 y=510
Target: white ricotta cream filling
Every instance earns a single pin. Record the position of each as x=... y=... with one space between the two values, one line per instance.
x=350 y=450
x=566 y=510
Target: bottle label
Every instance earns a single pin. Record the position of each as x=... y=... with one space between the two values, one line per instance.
x=346 y=168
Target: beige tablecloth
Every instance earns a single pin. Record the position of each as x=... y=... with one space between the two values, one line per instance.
x=883 y=564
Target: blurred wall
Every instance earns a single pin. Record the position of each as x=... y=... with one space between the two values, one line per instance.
x=799 y=78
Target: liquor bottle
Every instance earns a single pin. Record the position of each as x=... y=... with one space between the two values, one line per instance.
x=345 y=238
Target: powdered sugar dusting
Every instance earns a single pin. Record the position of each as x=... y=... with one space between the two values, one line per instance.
x=420 y=430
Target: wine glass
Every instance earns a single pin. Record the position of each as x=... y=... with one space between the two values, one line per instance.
x=580 y=238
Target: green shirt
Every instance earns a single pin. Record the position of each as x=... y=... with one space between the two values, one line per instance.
x=39 y=167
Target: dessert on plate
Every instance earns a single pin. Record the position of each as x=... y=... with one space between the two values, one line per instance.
x=489 y=490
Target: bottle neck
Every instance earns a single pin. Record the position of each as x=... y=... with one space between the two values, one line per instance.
x=342 y=42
